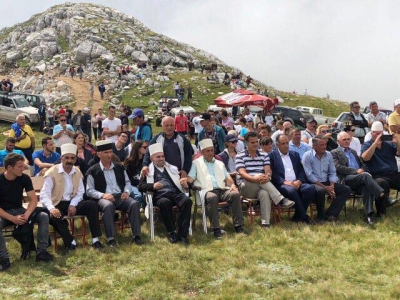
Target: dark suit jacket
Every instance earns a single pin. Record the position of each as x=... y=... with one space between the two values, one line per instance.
x=342 y=163
x=278 y=171
x=362 y=124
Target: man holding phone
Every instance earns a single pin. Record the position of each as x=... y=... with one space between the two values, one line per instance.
x=379 y=155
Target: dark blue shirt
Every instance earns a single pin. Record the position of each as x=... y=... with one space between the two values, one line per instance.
x=383 y=160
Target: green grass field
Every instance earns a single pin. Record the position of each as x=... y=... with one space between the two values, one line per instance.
x=346 y=260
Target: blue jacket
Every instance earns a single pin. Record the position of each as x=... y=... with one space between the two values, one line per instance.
x=278 y=171
x=220 y=137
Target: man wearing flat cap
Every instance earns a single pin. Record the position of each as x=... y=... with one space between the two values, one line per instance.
x=164 y=181
x=216 y=186
x=62 y=195
x=109 y=184
x=213 y=132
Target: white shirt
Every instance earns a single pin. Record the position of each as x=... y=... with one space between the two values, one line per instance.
x=111 y=125
x=356 y=145
x=275 y=134
x=45 y=193
x=268 y=120
x=239 y=146
x=287 y=164
x=197 y=125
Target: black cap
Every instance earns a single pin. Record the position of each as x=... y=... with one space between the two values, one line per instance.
x=230 y=138
x=205 y=116
x=310 y=120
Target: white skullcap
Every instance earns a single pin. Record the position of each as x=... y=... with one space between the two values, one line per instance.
x=206 y=143
x=103 y=145
x=68 y=149
x=377 y=126
x=397 y=102
x=156 y=148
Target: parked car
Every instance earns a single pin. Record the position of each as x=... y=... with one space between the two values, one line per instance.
x=12 y=106
x=317 y=113
x=186 y=110
x=34 y=100
x=289 y=112
x=163 y=103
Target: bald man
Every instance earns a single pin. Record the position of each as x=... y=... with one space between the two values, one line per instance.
x=177 y=149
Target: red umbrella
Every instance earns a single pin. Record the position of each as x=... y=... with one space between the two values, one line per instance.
x=246 y=98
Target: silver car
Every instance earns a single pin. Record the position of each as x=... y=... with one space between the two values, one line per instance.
x=12 y=106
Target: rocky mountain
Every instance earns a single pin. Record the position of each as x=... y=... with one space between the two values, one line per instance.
x=100 y=39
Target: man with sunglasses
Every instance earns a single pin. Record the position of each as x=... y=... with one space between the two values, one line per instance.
x=352 y=172
x=309 y=132
x=357 y=120
x=63 y=133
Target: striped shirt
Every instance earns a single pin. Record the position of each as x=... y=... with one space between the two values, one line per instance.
x=253 y=165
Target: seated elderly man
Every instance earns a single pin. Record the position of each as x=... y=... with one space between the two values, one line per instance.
x=380 y=158
x=216 y=185
x=352 y=172
x=164 y=181
x=62 y=195
x=108 y=183
x=320 y=171
x=254 y=175
x=290 y=179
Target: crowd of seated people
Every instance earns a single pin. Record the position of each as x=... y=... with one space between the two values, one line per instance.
x=278 y=165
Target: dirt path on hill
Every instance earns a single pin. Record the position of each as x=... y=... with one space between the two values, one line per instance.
x=81 y=93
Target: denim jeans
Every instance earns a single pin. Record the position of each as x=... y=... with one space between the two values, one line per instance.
x=138 y=196
x=42 y=219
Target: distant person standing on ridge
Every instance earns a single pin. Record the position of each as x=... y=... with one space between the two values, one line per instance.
x=91 y=90
x=176 y=88
x=72 y=72
x=305 y=92
x=102 y=90
x=80 y=72
x=190 y=95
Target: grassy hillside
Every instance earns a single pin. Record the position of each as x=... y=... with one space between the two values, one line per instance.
x=205 y=93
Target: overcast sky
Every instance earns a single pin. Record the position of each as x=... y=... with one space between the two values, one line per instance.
x=348 y=49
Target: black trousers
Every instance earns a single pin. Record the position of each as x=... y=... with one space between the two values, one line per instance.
x=342 y=192
x=169 y=200
x=87 y=208
x=28 y=154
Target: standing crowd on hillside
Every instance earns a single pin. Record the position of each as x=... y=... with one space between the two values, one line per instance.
x=101 y=163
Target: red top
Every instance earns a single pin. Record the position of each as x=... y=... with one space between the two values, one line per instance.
x=181 y=123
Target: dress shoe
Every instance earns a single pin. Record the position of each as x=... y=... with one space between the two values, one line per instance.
x=184 y=240
x=240 y=230
x=390 y=202
x=369 y=220
x=286 y=203
x=4 y=264
x=68 y=249
x=44 y=256
x=172 y=237
x=112 y=243
x=137 y=240
x=97 y=245
x=265 y=226
x=332 y=219
x=218 y=234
